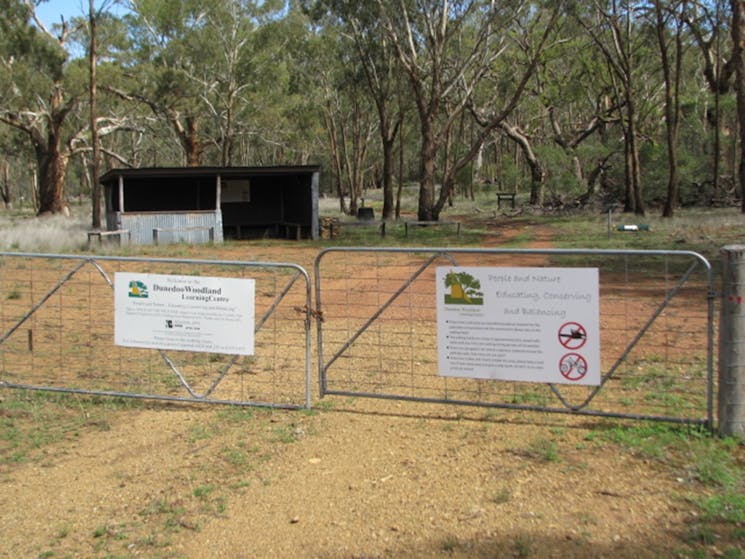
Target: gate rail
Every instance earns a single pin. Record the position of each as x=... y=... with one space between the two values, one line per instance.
x=57 y=322
x=377 y=331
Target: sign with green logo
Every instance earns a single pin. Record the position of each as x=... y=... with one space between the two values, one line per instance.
x=189 y=313
x=519 y=324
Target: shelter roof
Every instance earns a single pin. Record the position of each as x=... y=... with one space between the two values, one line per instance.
x=171 y=172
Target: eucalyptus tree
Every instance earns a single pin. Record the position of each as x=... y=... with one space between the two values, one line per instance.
x=165 y=59
x=246 y=77
x=347 y=113
x=375 y=55
x=381 y=73
x=99 y=39
x=615 y=28
x=202 y=68
x=13 y=168
x=36 y=100
x=562 y=104
x=94 y=32
x=669 y=24
x=350 y=126
x=448 y=51
x=710 y=21
x=42 y=94
x=575 y=92
x=6 y=192
x=738 y=60
x=711 y=25
x=93 y=114
x=290 y=111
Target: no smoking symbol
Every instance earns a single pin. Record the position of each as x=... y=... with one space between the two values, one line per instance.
x=572 y=335
x=573 y=366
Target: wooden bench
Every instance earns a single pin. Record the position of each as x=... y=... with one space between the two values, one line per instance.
x=337 y=226
x=507 y=196
x=101 y=235
x=431 y=224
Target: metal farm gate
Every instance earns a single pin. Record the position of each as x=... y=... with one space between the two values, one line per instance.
x=57 y=333
x=378 y=331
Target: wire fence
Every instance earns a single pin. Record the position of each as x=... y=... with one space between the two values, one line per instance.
x=57 y=332
x=378 y=331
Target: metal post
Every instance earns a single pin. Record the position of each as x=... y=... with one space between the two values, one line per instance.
x=731 y=402
x=610 y=220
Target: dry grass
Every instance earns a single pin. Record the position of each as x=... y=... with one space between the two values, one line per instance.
x=22 y=231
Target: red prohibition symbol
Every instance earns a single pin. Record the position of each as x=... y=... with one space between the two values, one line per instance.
x=573 y=366
x=572 y=335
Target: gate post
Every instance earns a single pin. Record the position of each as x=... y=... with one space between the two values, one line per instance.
x=731 y=401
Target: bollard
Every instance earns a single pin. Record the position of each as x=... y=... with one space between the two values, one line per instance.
x=731 y=401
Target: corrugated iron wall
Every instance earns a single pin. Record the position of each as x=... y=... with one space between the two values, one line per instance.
x=181 y=227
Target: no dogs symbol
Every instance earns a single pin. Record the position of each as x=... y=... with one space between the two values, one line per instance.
x=572 y=335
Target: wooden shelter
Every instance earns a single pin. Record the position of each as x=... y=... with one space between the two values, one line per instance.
x=202 y=204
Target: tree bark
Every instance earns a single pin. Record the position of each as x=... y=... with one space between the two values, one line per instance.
x=426 y=209
x=95 y=158
x=636 y=167
x=388 y=154
x=52 y=168
x=188 y=137
x=5 y=191
x=192 y=145
x=52 y=158
x=671 y=74
x=738 y=57
x=537 y=170
x=400 y=188
x=331 y=130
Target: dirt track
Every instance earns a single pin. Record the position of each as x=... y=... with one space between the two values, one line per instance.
x=358 y=481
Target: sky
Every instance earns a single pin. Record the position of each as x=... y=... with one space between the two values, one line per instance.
x=49 y=12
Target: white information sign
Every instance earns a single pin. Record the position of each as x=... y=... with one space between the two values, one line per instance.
x=190 y=313
x=519 y=324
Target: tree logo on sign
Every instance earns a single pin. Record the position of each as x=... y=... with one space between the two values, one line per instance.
x=137 y=290
x=464 y=289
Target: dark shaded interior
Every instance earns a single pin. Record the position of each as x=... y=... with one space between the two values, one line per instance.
x=164 y=194
x=278 y=206
x=277 y=203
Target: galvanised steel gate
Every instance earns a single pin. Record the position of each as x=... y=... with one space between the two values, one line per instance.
x=57 y=333
x=377 y=331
